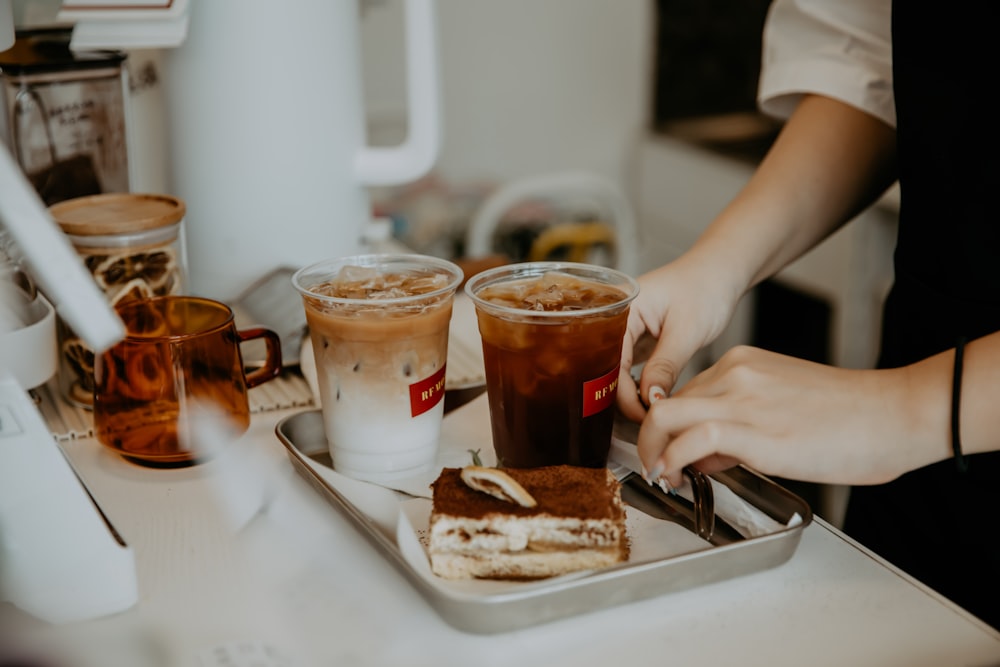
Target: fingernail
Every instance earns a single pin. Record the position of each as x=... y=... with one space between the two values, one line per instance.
x=654 y=474
x=656 y=393
x=667 y=487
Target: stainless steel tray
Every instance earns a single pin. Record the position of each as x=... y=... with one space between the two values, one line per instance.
x=303 y=437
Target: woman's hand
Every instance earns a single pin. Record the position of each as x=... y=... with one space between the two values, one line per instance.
x=796 y=419
x=681 y=307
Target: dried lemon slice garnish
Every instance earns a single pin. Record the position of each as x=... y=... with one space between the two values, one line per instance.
x=498 y=484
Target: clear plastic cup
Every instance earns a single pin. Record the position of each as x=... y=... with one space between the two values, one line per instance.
x=552 y=338
x=379 y=329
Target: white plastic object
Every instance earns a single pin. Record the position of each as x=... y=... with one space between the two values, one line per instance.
x=416 y=155
x=29 y=353
x=60 y=559
x=53 y=263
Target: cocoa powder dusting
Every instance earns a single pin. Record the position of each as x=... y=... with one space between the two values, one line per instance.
x=562 y=491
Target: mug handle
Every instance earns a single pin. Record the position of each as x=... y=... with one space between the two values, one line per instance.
x=272 y=363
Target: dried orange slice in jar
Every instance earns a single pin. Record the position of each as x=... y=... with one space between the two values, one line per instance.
x=131 y=291
x=153 y=268
x=79 y=368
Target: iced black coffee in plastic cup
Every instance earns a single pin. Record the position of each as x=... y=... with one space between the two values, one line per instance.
x=379 y=329
x=552 y=336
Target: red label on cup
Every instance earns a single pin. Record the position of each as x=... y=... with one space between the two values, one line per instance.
x=426 y=393
x=599 y=394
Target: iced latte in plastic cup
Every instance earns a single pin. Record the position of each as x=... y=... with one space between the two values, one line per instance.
x=552 y=337
x=379 y=329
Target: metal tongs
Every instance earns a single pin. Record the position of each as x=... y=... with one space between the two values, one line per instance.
x=704 y=502
x=697 y=515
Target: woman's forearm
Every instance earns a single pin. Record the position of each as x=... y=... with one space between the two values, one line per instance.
x=829 y=163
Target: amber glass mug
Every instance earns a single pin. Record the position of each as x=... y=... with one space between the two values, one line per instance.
x=175 y=388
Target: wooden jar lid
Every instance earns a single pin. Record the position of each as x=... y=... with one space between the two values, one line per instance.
x=117 y=213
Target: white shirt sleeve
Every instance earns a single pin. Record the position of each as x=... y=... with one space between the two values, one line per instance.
x=838 y=48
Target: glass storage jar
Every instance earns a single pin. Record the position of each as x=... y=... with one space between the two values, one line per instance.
x=133 y=246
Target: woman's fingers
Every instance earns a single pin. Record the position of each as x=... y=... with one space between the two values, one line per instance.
x=669 y=418
x=709 y=445
x=628 y=394
x=780 y=415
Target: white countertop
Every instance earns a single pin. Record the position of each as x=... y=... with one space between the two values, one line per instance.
x=282 y=569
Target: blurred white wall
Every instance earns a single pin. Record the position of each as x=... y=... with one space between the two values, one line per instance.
x=529 y=86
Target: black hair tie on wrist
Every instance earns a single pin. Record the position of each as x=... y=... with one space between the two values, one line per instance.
x=956 y=401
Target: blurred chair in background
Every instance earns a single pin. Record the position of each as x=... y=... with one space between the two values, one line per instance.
x=573 y=216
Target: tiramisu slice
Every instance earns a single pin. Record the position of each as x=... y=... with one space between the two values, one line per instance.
x=572 y=519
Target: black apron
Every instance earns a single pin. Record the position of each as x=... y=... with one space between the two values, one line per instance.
x=936 y=523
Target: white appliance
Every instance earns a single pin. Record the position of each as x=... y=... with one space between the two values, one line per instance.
x=46 y=512
x=266 y=129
